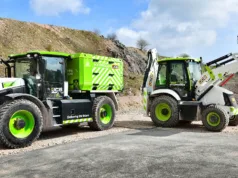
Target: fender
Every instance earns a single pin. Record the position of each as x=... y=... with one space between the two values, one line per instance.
x=114 y=99
x=46 y=120
x=166 y=91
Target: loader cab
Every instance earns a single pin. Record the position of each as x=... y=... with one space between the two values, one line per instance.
x=43 y=72
x=179 y=75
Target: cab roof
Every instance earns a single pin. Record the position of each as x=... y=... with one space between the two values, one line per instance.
x=179 y=59
x=48 y=53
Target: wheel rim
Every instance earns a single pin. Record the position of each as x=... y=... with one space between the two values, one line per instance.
x=105 y=114
x=163 y=112
x=21 y=124
x=213 y=119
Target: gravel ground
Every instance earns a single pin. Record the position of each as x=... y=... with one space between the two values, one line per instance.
x=127 y=120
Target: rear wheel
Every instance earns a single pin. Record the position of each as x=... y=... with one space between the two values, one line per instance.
x=21 y=123
x=233 y=121
x=215 y=119
x=164 y=111
x=103 y=114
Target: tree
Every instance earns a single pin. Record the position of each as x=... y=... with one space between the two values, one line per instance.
x=142 y=44
x=184 y=55
x=112 y=36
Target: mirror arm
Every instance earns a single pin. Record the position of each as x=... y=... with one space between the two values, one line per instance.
x=8 y=67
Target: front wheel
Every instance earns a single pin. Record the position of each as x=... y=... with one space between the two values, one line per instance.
x=21 y=123
x=103 y=114
x=164 y=111
x=215 y=119
x=233 y=121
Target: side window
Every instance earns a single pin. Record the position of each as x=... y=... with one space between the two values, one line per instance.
x=177 y=73
x=162 y=78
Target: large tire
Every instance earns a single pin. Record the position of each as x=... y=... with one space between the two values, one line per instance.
x=215 y=119
x=103 y=114
x=165 y=112
x=21 y=123
x=233 y=121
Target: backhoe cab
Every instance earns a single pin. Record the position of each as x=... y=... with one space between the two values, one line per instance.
x=48 y=89
x=175 y=90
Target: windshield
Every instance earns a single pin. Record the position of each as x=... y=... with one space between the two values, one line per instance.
x=195 y=70
x=25 y=67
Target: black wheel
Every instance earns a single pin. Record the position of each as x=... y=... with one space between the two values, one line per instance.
x=21 y=123
x=164 y=111
x=233 y=121
x=103 y=114
x=215 y=119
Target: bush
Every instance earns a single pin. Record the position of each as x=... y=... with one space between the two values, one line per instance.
x=112 y=36
x=142 y=44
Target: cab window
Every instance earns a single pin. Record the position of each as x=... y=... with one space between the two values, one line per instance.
x=162 y=75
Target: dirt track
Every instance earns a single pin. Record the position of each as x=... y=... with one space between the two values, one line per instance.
x=128 y=119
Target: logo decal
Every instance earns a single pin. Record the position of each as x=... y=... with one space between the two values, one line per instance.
x=114 y=66
x=202 y=79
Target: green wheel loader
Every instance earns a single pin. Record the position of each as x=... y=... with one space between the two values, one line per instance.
x=42 y=90
x=175 y=90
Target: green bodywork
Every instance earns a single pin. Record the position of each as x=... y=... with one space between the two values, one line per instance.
x=47 y=53
x=179 y=59
x=8 y=84
x=88 y=72
x=163 y=79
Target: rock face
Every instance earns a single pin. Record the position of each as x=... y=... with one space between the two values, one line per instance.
x=19 y=37
x=134 y=59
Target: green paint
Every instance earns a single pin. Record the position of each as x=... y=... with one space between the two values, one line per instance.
x=179 y=59
x=215 y=122
x=106 y=114
x=73 y=121
x=27 y=118
x=48 y=53
x=8 y=84
x=234 y=110
x=190 y=79
x=94 y=71
x=220 y=76
x=210 y=72
x=159 y=112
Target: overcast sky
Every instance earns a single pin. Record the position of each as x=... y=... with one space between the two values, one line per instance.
x=197 y=27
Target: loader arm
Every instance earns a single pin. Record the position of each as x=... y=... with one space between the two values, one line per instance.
x=151 y=71
x=218 y=73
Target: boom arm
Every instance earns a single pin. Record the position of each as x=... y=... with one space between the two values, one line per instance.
x=151 y=71
x=219 y=71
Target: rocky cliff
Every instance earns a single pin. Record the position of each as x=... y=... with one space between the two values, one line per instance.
x=18 y=37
